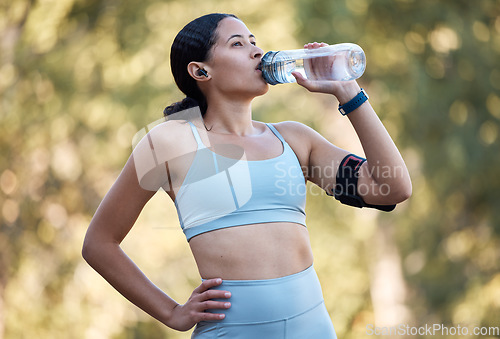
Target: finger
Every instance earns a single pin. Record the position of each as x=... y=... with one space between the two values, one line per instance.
x=207 y=316
x=300 y=79
x=298 y=76
x=313 y=45
x=316 y=45
x=207 y=284
x=211 y=305
x=311 y=86
x=214 y=294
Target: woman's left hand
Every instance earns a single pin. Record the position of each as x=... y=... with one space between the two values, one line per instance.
x=343 y=90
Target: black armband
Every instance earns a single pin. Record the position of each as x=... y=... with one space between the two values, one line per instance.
x=346 y=187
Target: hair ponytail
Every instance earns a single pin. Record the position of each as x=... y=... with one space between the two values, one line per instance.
x=186 y=103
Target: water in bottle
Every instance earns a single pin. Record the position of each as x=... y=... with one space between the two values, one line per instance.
x=341 y=62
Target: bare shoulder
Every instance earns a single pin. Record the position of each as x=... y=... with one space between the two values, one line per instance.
x=170 y=131
x=292 y=126
x=291 y=130
x=297 y=132
x=300 y=131
x=168 y=139
x=299 y=136
x=163 y=143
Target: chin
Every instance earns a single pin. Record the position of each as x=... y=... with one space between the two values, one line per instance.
x=264 y=90
x=257 y=92
x=247 y=92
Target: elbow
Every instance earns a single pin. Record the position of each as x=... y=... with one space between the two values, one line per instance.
x=90 y=251
x=86 y=250
x=405 y=193
x=407 y=189
x=401 y=192
x=95 y=250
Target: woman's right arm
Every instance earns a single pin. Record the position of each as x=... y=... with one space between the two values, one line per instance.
x=112 y=221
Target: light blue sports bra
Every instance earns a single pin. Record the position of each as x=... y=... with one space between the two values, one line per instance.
x=220 y=192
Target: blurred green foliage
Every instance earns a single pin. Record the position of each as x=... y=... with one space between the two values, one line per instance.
x=79 y=78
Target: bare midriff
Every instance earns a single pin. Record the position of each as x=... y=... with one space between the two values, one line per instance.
x=253 y=252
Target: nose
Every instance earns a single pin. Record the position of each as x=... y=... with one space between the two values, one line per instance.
x=257 y=52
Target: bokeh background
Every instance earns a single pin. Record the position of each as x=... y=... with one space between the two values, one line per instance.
x=78 y=78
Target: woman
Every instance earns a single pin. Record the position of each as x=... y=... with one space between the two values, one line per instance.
x=252 y=249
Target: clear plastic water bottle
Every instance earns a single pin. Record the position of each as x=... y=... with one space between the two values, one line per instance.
x=341 y=62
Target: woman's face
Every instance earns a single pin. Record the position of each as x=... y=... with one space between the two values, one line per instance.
x=233 y=61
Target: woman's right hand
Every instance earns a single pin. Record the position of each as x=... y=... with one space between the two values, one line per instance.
x=343 y=90
x=184 y=317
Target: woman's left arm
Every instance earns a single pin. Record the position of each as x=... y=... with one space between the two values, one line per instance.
x=384 y=177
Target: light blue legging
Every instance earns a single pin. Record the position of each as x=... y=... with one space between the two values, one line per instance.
x=290 y=307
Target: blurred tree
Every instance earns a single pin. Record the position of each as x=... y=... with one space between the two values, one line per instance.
x=79 y=78
x=69 y=71
x=433 y=73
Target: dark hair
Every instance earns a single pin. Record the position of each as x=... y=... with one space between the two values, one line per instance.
x=192 y=43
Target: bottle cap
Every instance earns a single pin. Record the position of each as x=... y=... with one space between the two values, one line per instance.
x=269 y=68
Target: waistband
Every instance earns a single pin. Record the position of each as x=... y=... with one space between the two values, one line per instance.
x=268 y=300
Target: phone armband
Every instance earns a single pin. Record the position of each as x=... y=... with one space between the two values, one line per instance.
x=346 y=187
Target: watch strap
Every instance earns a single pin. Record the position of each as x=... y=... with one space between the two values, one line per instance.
x=354 y=103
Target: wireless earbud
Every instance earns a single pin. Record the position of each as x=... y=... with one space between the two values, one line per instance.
x=201 y=72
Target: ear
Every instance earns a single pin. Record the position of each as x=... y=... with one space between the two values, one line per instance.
x=194 y=71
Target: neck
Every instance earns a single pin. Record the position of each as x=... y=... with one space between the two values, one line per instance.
x=229 y=117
